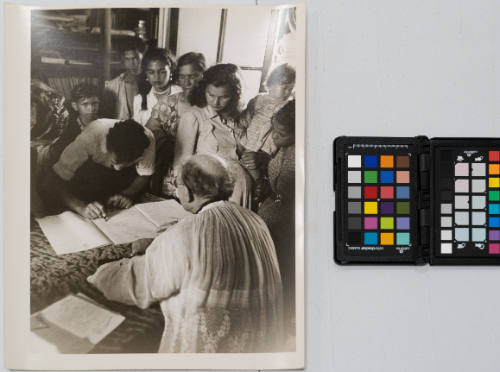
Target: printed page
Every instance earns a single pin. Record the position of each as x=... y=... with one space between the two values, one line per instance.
x=74 y=324
x=69 y=233
x=163 y=213
x=125 y=226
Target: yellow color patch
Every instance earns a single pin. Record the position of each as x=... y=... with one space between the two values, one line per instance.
x=494 y=182
x=371 y=207
x=386 y=161
x=387 y=238
x=494 y=168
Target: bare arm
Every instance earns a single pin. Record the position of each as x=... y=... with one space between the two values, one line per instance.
x=187 y=137
x=54 y=184
x=143 y=280
x=138 y=185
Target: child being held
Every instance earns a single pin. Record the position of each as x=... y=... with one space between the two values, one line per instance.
x=258 y=145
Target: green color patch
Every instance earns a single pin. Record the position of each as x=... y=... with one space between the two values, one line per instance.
x=403 y=207
x=371 y=176
x=495 y=195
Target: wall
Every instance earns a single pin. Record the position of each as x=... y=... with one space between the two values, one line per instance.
x=244 y=44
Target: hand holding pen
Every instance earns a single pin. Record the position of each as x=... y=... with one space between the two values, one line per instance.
x=95 y=210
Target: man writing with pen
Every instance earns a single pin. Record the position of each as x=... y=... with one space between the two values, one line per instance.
x=106 y=167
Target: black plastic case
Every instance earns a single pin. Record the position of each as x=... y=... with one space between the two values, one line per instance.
x=425 y=166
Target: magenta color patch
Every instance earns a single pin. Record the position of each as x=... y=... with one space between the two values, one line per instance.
x=494 y=235
x=371 y=223
x=494 y=248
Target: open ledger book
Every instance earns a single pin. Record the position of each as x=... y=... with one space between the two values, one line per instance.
x=68 y=232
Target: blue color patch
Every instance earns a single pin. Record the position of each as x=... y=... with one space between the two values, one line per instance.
x=494 y=208
x=387 y=177
x=494 y=222
x=371 y=161
x=403 y=192
x=371 y=238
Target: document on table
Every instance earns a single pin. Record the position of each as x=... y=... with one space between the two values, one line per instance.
x=68 y=233
x=74 y=324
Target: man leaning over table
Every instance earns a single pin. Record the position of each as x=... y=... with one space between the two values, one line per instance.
x=107 y=166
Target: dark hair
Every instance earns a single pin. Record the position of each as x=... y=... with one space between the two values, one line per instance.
x=224 y=74
x=84 y=90
x=214 y=186
x=282 y=74
x=134 y=45
x=286 y=116
x=191 y=58
x=155 y=54
x=127 y=140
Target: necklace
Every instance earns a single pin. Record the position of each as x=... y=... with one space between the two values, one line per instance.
x=161 y=93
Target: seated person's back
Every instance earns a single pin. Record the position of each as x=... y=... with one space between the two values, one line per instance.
x=215 y=274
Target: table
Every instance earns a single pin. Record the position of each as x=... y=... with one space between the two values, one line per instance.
x=52 y=277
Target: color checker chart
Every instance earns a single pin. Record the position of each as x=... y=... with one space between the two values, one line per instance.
x=377 y=199
x=468 y=193
x=417 y=200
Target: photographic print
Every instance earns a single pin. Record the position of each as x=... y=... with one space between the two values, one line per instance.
x=166 y=185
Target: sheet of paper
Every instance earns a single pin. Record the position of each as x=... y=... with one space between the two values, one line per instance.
x=74 y=324
x=68 y=233
x=164 y=212
x=126 y=225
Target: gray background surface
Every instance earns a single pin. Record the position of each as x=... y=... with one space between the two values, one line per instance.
x=396 y=67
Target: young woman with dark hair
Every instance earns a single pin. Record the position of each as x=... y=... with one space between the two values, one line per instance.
x=211 y=126
x=165 y=117
x=155 y=82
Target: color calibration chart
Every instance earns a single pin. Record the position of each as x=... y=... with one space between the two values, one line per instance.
x=470 y=202
x=378 y=200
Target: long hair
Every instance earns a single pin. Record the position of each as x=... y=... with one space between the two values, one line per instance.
x=157 y=54
x=224 y=74
x=197 y=60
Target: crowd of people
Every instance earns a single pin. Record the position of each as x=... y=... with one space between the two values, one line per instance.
x=225 y=278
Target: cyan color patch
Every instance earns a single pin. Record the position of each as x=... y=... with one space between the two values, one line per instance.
x=403 y=238
x=494 y=208
x=371 y=238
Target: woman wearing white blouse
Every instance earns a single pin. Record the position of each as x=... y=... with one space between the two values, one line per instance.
x=210 y=127
x=156 y=70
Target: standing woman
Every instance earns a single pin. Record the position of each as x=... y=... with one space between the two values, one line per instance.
x=210 y=127
x=155 y=82
x=165 y=117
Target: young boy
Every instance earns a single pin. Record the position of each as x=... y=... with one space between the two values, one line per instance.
x=121 y=90
x=106 y=166
x=85 y=104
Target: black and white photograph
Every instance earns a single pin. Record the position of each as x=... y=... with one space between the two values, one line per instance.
x=164 y=181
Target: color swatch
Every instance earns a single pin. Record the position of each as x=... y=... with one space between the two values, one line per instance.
x=470 y=202
x=378 y=205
